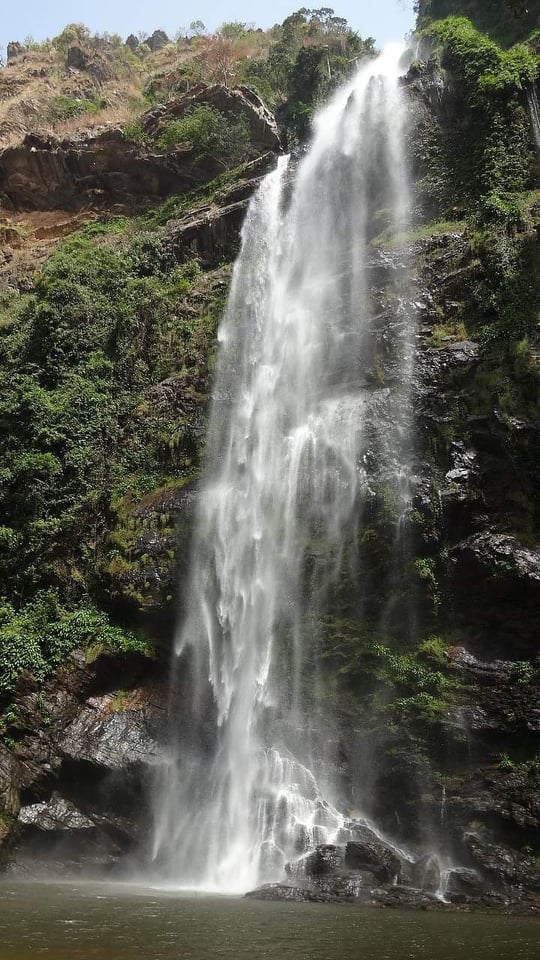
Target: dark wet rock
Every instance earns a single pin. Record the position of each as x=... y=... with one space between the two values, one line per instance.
x=373 y=856
x=499 y=554
x=158 y=532
x=211 y=231
x=56 y=814
x=463 y=352
x=11 y=777
x=462 y=880
x=280 y=891
x=79 y=764
x=506 y=867
x=398 y=896
x=346 y=887
x=326 y=859
x=496 y=581
x=109 y=737
x=341 y=888
x=425 y=874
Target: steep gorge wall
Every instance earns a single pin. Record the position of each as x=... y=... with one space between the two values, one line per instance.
x=106 y=375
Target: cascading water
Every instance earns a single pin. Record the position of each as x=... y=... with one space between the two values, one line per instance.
x=298 y=414
x=534 y=110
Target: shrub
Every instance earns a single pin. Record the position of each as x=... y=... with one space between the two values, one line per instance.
x=64 y=108
x=211 y=133
x=39 y=636
x=134 y=132
x=73 y=34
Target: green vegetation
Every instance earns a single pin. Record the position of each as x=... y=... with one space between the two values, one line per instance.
x=211 y=133
x=64 y=108
x=486 y=154
x=75 y=34
x=418 y=683
x=83 y=425
x=38 y=636
x=135 y=132
x=505 y=20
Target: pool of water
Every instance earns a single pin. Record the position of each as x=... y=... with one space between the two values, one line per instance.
x=103 y=922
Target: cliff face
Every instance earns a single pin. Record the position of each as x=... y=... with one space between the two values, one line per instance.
x=106 y=358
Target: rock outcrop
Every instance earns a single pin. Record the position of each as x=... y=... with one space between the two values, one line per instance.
x=74 y=784
x=105 y=170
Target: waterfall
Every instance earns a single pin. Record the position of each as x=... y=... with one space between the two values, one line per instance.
x=534 y=110
x=252 y=776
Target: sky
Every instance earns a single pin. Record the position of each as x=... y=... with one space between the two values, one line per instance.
x=383 y=19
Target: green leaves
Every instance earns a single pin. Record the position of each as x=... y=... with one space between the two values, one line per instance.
x=41 y=634
x=211 y=133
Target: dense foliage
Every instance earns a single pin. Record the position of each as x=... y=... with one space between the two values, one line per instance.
x=504 y=20
x=38 y=636
x=211 y=133
x=81 y=431
x=486 y=154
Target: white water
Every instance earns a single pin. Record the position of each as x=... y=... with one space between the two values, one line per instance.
x=534 y=110
x=298 y=414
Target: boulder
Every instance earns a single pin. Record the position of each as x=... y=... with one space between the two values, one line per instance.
x=55 y=814
x=14 y=49
x=375 y=857
x=325 y=860
x=157 y=40
x=398 y=896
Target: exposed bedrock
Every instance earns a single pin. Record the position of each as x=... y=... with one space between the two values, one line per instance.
x=105 y=170
x=74 y=785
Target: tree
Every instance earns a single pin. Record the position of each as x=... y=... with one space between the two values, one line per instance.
x=197 y=28
x=74 y=34
x=232 y=30
x=219 y=58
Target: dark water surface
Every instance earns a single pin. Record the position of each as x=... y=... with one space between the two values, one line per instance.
x=83 y=922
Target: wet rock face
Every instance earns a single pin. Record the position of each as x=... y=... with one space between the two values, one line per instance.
x=426 y=874
x=361 y=855
x=323 y=861
x=211 y=232
x=507 y=868
x=464 y=881
x=107 y=737
x=74 y=793
x=503 y=576
x=56 y=814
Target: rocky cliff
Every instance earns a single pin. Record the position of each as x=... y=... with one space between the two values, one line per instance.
x=106 y=357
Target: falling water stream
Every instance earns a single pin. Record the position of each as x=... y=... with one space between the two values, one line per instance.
x=534 y=110
x=298 y=413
